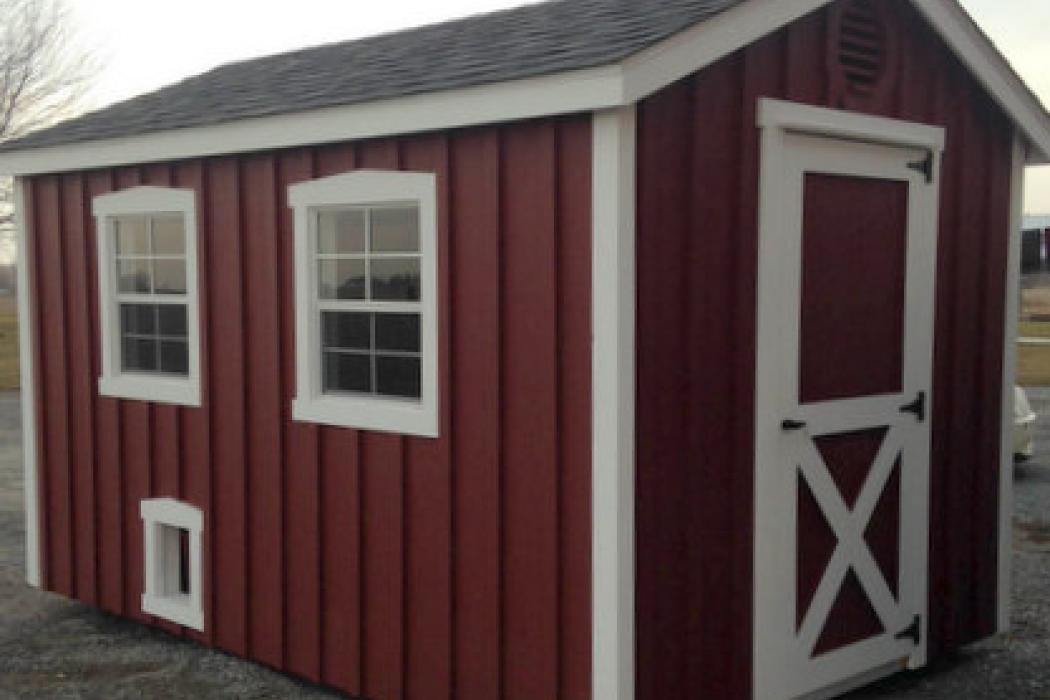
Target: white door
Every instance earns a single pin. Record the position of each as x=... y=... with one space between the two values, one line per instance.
x=844 y=364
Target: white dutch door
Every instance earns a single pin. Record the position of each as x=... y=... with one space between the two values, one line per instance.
x=846 y=305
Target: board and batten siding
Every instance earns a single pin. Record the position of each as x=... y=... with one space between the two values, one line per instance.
x=698 y=154
x=386 y=566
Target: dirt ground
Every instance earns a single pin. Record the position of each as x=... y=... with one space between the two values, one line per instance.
x=54 y=649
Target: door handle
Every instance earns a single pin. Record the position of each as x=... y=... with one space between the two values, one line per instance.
x=790 y=426
x=917 y=407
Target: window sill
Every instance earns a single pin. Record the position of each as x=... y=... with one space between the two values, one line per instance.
x=174 y=608
x=378 y=415
x=182 y=392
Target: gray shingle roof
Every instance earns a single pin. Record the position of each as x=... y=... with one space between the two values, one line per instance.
x=524 y=42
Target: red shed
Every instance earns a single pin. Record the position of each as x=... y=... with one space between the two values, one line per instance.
x=591 y=349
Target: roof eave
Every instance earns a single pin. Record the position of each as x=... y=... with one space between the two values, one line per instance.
x=585 y=90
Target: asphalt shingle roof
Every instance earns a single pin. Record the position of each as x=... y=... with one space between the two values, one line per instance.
x=523 y=42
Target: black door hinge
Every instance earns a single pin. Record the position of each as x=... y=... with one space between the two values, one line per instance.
x=913 y=632
x=924 y=166
x=917 y=407
x=792 y=425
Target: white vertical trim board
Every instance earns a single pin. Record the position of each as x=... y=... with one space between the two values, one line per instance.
x=613 y=404
x=28 y=391
x=1006 y=467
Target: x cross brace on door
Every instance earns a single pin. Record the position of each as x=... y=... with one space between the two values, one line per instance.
x=852 y=551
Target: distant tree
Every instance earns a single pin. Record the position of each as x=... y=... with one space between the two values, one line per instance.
x=44 y=75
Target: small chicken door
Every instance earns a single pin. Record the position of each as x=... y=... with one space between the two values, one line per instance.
x=846 y=294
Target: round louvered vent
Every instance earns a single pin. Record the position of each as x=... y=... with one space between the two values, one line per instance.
x=862 y=46
x=860 y=49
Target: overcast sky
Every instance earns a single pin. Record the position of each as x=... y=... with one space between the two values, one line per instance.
x=149 y=44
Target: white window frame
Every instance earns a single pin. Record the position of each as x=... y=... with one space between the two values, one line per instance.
x=364 y=188
x=114 y=380
x=162 y=561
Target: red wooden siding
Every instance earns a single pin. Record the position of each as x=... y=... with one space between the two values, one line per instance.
x=385 y=566
x=697 y=237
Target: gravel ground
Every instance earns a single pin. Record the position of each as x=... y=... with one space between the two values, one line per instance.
x=54 y=649
x=1018 y=667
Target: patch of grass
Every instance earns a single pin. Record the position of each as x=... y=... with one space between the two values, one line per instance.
x=9 y=377
x=1033 y=365
x=1034 y=329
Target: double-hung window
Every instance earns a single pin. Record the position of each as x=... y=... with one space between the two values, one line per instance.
x=147 y=255
x=365 y=249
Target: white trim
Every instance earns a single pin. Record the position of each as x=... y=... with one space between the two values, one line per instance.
x=590 y=89
x=797 y=140
x=707 y=42
x=613 y=404
x=113 y=380
x=798 y=118
x=987 y=64
x=1006 y=465
x=161 y=561
x=27 y=364
x=362 y=188
x=574 y=91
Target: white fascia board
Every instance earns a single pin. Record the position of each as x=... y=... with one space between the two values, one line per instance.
x=991 y=69
x=563 y=93
x=705 y=43
x=588 y=90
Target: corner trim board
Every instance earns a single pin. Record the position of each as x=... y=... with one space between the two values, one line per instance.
x=613 y=404
x=34 y=567
x=1006 y=467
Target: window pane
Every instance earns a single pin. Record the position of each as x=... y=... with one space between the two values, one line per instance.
x=347 y=372
x=169 y=276
x=398 y=332
x=133 y=276
x=132 y=235
x=395 y=279
x=174 y=357
x=395 y=230
x=169 y=236
x=172 y=320
x=341 y=231
x=398 y=376
x=137 y=319
x=342 y=279
x=349 y=331
x=139 y=355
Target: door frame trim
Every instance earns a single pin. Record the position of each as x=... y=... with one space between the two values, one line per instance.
x=777 y=119
x=780 y=116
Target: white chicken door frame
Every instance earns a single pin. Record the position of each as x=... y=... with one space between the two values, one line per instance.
x=799 y=143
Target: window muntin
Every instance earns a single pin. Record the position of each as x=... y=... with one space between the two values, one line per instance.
x=369 y=300
x=150 y=258
x=148 y=297
x=366 y=301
